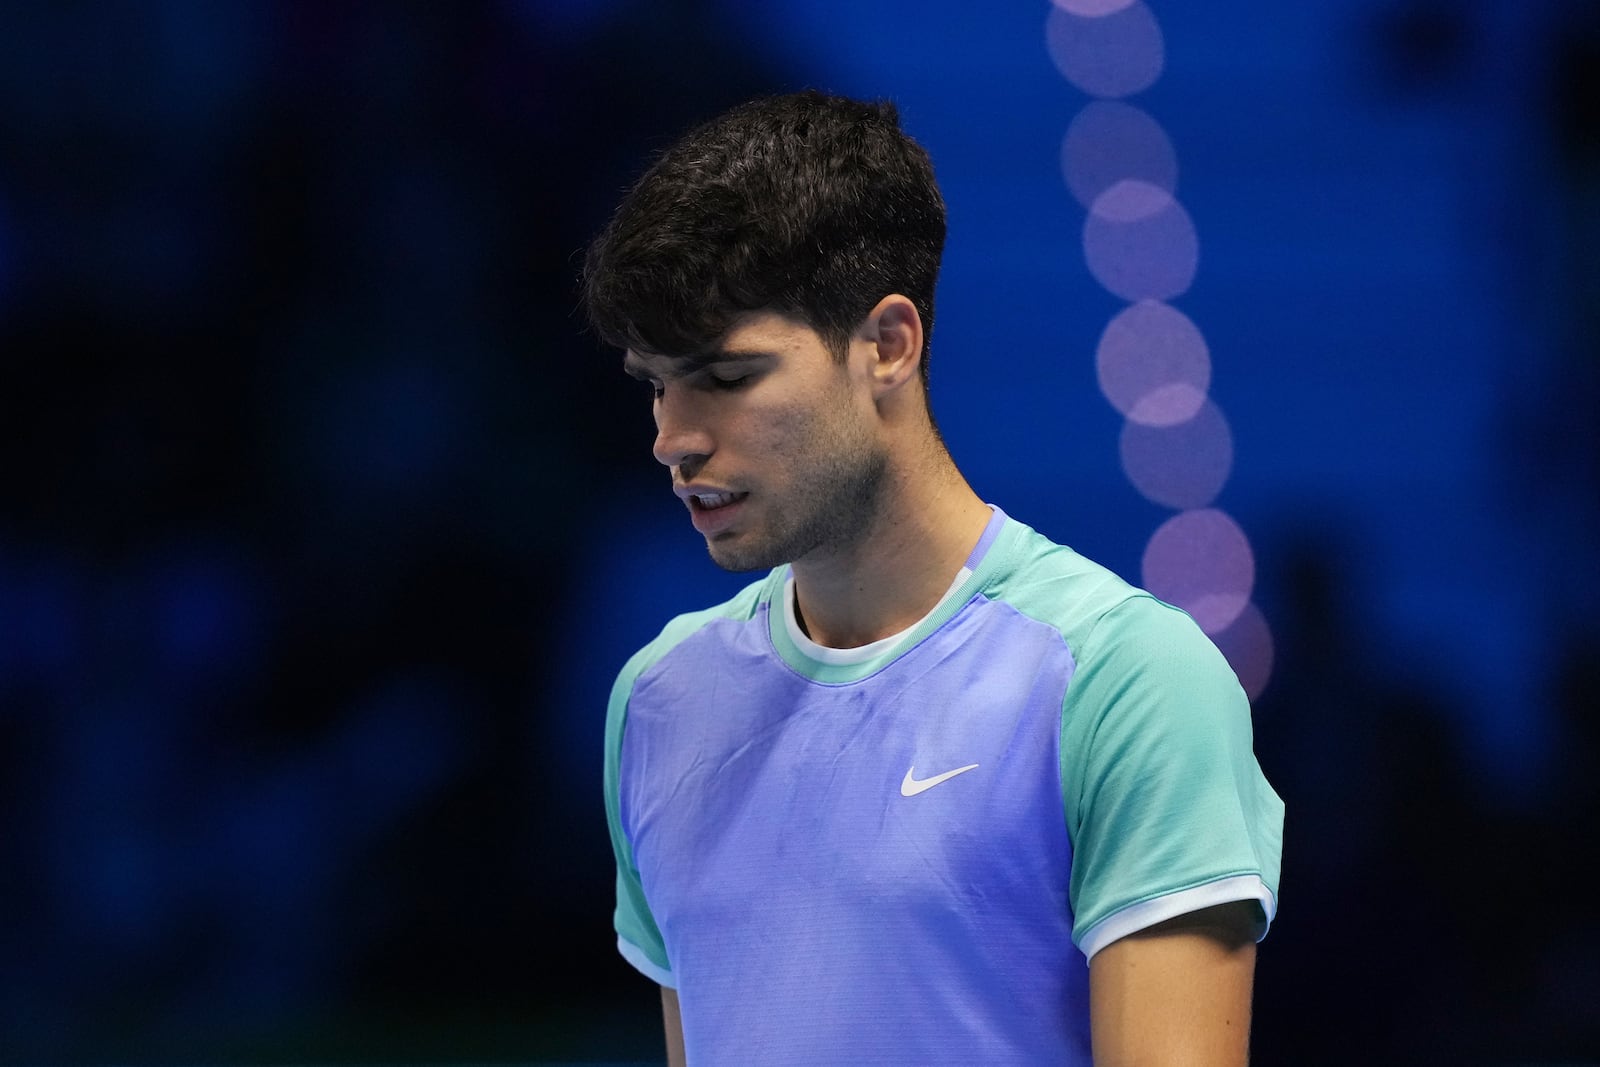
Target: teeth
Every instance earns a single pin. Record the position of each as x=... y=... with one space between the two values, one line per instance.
x=714 y=500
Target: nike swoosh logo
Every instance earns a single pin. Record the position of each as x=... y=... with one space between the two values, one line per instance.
x=910 y=787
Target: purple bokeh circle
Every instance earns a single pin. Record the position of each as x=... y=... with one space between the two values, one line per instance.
x=1109 y=141
x=1140 y=243
x=1111 y=54
x=1153 y=364
x=1248 y=647
x=1201 y=561
x=1093 y=9
x=1180 y=466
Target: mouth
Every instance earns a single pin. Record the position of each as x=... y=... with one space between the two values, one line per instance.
x=714 y=501
x=715 y=513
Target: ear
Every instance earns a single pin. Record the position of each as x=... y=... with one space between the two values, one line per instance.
x=893 y=331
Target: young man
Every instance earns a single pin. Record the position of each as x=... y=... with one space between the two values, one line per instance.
x=880 y=806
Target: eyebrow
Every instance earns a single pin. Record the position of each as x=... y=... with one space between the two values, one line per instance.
x=682 y=365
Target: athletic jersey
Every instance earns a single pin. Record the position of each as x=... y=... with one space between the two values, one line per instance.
x=905 y=853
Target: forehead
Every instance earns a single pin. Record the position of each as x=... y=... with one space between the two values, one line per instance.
x=770 y=329
x=754 y=335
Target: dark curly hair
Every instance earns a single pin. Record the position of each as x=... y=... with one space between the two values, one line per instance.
x=812 y=205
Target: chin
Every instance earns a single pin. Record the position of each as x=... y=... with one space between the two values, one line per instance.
x=739 y=565
x=738 y=559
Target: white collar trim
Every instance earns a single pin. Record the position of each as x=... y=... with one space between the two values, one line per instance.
x=845 y=657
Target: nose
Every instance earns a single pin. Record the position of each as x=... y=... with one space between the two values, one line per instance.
x=681 y=434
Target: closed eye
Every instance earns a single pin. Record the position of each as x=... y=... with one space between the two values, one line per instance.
x=656 y=388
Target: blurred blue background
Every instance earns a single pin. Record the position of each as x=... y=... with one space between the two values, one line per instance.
x=324 y=524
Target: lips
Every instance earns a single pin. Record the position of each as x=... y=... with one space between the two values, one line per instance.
x=713 y=511
x=713 y=501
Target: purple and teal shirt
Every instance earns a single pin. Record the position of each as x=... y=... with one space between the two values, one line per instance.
x=906 y=852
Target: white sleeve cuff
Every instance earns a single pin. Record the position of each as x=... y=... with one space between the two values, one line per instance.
x=644 y=964
x=1146 y=913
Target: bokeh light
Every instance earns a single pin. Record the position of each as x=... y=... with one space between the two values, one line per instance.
x=1111 y=54
x=1140 y=243
x=1179 y=466
x=1247 y=645
x=1093 y=9
x=1110 y=141
x=1153 y=364
x=1201 y=561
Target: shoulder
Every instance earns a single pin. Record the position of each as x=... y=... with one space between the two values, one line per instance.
x=1056 y=586
x=743 y=606
x=681 y=632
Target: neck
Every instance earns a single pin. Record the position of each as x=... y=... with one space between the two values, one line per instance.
x=926 y=526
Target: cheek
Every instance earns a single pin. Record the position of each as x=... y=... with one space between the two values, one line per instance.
x=787 y=437
x=778 y=433
x=809 y=437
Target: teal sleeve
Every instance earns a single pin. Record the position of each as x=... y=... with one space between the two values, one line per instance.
x=638 y=936
x=636 y=927
x=1161 y=789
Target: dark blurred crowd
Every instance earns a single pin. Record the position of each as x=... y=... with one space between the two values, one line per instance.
x=301 y=437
